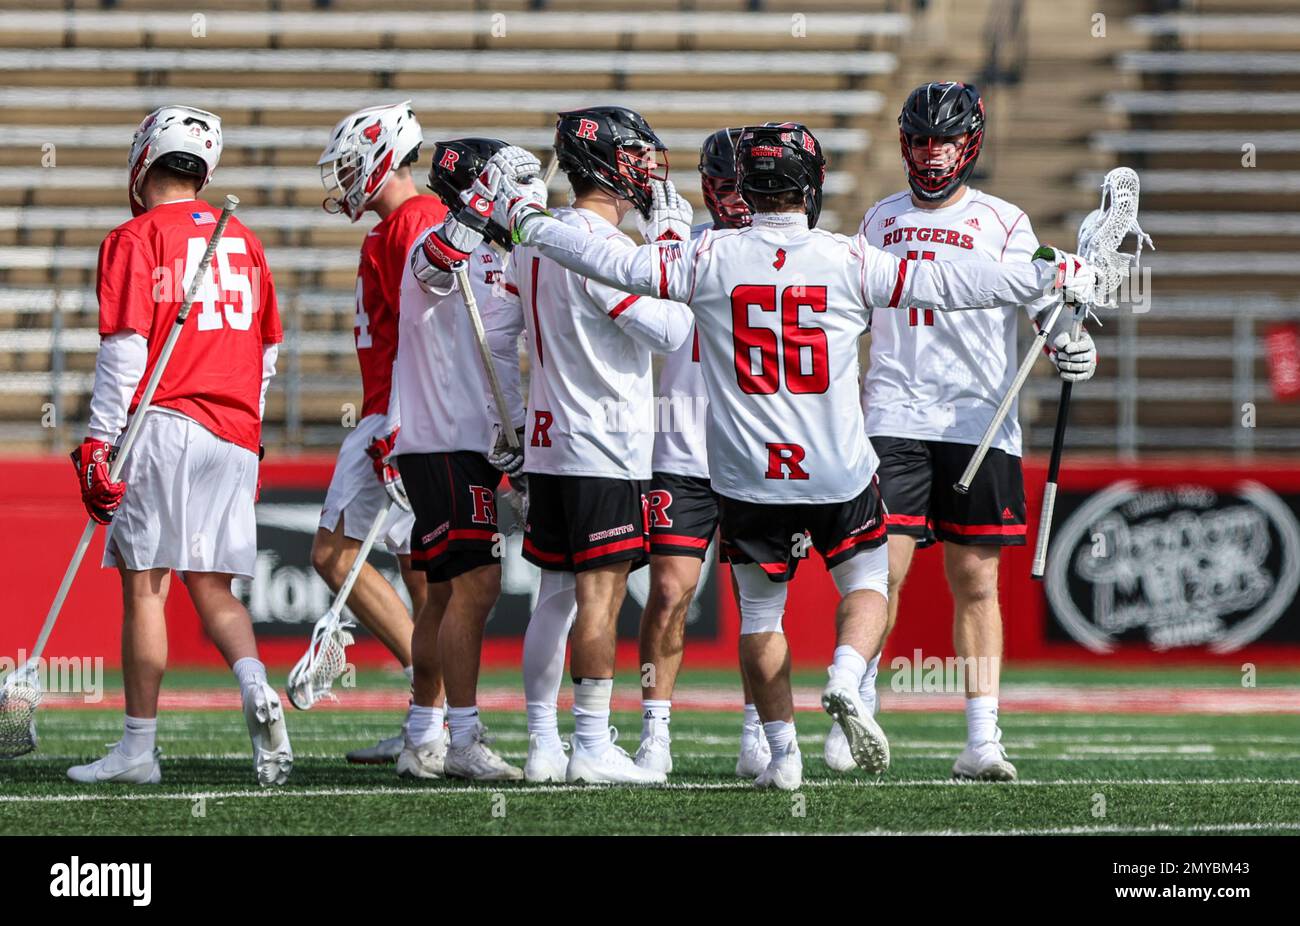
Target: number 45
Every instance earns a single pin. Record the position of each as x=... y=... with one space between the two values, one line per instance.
x=234 y=285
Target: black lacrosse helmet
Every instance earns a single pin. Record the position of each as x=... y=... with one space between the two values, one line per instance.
x=609 y=145
x=941 y=110
x=718 y=180
x=456 y=164
x=779 y=158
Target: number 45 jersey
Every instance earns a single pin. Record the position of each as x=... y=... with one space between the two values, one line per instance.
x=940 y=376
x=214 y=375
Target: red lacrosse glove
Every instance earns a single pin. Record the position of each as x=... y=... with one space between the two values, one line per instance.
x=379 y=450
x=100 y=496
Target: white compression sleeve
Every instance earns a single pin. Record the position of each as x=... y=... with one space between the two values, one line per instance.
x=868 y=571
x=269 y=354
x=544 y=644
x=762 y=601
x=119 y=367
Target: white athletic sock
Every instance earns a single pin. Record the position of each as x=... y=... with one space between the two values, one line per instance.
x=780 y=736
x=463 y=724
x=751 y=715
x=848 y=662
x=544 y=644
x=867 y=689
x=652 y=712
x=423 y=725
x=591 y=712
x=981 y=720
x=249 y=671
x=138 y=735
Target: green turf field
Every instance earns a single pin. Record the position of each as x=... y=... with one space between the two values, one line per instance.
x=1084 y=773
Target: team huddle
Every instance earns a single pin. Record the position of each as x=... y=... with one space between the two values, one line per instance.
x=757 y=314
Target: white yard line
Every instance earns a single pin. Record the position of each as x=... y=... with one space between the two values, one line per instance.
x=522 y=790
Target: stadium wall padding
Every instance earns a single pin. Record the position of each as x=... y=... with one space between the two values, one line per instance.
x=1162 y=563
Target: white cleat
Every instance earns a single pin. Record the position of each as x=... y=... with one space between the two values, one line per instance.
x=985 y=762
x=836 y=751
x=427 y=760
x=867 y=742
x=382 y=753
x=611 y=766
x=477 y=762
x=120 y=768
x=755 y=753
x=546 y=763
x=272 y=754
x=655 y=753
x=783 y=772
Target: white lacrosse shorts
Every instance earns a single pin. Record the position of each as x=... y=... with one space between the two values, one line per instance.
x=357 y=495
x=189 y=501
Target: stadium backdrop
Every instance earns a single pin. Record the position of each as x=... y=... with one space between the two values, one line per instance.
x=1162 y=562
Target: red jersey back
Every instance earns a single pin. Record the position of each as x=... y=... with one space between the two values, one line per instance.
x=215 y=372
x=379 y=286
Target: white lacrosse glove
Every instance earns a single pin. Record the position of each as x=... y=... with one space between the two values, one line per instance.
x=670 y=215
x=1075 y=278
x=516 y=164
x=510 y=460
x=1075 y=359
x=517 y=498
x=443 y=248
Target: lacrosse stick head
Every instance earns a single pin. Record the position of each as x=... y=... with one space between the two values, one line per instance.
x=313 y=677
x=20 y=695
x=1106 y=227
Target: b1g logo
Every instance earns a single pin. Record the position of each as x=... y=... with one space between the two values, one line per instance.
x=1176 y=566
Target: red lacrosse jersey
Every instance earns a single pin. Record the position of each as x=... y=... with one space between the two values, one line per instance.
x=379 y=287
x=215 y=372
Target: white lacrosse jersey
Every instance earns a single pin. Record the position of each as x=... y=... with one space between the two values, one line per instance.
x=681 y=408
x=591 y=389
x=940 y=376
x=779 y=309
x=442 y=388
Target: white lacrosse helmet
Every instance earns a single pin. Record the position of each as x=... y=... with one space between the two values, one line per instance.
x=364 y=150
x=181 y=137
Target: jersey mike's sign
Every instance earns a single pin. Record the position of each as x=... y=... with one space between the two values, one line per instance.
x=1175 y=566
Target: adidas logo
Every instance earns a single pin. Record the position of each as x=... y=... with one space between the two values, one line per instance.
x=973 y=223
x=1007 y=515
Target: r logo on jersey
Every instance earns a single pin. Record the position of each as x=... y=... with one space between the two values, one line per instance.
x=449 y=159
x=542 y=422
x=587 y=129
x=657 y=504
x=780 y=259
x=783 y=457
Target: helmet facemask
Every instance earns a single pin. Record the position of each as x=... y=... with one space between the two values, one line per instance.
x=936 y=167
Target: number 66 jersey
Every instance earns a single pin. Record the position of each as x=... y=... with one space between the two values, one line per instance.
x=779 y=309
x=214 y=375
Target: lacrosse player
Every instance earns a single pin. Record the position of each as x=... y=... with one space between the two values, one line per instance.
x=366 y=167
x=683 y=509
x=590 y=436
x=445 y=452
x=779 y=307
x=934 y=383
x=185 y=498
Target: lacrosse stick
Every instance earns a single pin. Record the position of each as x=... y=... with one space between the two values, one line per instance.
x=551 y=168
x=1100 y=235
x=485 y=354
x=21 y=693
x=313 y=676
